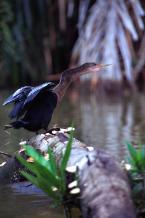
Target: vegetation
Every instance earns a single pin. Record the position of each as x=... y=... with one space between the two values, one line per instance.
x=45 y=173
x=35 y=39
x=136 y=161
x=137 y=158
x=107 y=32
x=42 y=37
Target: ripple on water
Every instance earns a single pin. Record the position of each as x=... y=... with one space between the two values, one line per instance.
x=106 y=123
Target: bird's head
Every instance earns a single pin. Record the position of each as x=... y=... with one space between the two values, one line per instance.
x=74 y=73
x=90 y=68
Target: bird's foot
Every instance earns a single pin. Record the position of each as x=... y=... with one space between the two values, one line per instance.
x=56 y=130
x=53 y=130
x=8 y=126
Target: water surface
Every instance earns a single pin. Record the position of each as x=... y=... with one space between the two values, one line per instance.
x=101 y=122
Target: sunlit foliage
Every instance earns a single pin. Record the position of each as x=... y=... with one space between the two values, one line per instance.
x=45 y=173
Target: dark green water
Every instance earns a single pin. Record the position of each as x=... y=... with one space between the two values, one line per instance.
x=101 y=122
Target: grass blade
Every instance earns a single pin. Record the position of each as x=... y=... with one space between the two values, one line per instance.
x=52 y=161
x=67 y=152
x=133 y=153
x=30 y=151
x=38 y=169
x=40 y=183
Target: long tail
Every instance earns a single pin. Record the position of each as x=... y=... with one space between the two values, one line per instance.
x=16 y=124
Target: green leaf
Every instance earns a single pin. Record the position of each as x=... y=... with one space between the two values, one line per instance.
x=141 y=157
x=42 y=179
x=64 y=162
x=134 y=154
x=52 y=161
x=137 y=157
x=30 y=177
x=38 y=169
x=37 y=156
x=44 y=172
x=42 y=184
x=132 y=151
x=26 y=164
x=67 y=153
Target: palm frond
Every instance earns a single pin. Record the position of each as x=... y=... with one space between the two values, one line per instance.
x=33 y=34
x=106 y=31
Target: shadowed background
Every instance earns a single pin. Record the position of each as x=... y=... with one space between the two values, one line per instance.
x=39 y=39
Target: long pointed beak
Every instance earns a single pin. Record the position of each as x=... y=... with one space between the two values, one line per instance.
x=100 y=66
x=94 y=68
x=106 y=65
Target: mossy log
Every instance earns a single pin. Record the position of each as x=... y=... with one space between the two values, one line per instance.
x=104 y=189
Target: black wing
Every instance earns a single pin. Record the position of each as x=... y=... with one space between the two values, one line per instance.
x=36 y=90
x=38 y=114
x=17 y=110
x=19 y=95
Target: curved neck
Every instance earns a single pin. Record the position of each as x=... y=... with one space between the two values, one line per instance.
x=66 y=78
x=63 y=84
x=72 y=74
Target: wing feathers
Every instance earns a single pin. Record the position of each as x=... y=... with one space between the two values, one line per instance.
x=23 y=97
x=35 y=91
x=18 y=95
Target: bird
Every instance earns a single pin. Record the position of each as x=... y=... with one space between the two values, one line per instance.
x=34 y=106
x=30 y=102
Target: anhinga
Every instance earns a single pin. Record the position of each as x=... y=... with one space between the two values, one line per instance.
x=34 y=106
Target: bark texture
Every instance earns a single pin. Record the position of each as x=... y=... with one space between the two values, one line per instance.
x=104 y=189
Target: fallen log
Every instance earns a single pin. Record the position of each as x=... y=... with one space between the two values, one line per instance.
x=107 y=193
x=104 y=189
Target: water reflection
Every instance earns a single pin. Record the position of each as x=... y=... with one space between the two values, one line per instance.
x=110 y=122
x=16 y=205
x=101 y=122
